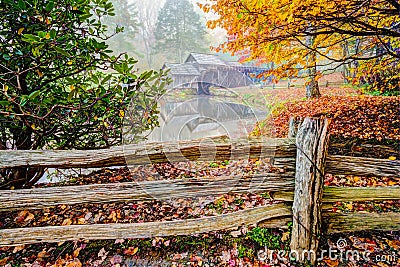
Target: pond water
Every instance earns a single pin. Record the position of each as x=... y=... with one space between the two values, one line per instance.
x=205 y=116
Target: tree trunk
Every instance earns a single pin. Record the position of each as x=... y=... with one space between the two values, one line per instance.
x=346 y=70
x=20 y=177
x=312 y=88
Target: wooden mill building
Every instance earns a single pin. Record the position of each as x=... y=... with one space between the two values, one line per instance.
x=201 y=71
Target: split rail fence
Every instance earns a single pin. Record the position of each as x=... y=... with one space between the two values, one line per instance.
x=304 y=199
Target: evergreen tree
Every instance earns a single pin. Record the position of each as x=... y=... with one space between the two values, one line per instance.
x=179 y=31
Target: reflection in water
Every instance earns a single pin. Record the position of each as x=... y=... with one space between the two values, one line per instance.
x=204 y=116
x=201 y=117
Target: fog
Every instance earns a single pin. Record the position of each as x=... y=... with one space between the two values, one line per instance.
x=140 y=38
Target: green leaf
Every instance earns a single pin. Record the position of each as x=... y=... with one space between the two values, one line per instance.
x=6 y=57
x=49 y=6
x=21 y=4
x=24 y=100
x=33 y=95
x=106 y=79
x=61 y=51
x=4 y=103
x=119 y=29
x=35 y=51
x=95 y=79
x=70 y=95
x=30 y=38
x=146 y=75
x=53 y=34
x=118 y=68
x=41 y=34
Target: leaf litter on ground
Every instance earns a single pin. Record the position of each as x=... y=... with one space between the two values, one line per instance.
x=359 y=118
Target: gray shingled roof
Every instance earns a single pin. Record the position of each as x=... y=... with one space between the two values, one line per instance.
x=207 y=59
x=235 y=64
x=182 y=69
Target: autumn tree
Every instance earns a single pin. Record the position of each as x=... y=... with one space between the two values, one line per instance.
x=61 y=86
x=179 y=31
x=307 y=34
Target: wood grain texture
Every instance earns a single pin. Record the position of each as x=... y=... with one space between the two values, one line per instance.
x=294 y=123
x=38 y=198
x=344 y=165
x=346 y=194
x=353 y=222
x=280 y=187
x=350 y=166
x=274 y=216
x=283 y=151
x=362 y=166
x=312 y=144
x=14 y=237
x=196 y=150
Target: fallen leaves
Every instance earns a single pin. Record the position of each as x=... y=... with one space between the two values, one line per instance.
x=363 y=117
x=67 y=221
x=18 y=248
x=360 y=181
x=102 y=254
x=131 y=251
x=137 y=212
x=76 y=252
x=212 y=249
x=24 y=217
x=4 y=261
x=67 y=262
x=331 y=263
x=41 y=256
x=368 y=206
x=358 y=118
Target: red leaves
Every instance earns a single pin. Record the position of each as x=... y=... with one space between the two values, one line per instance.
x=363 y=117
x=24 y=217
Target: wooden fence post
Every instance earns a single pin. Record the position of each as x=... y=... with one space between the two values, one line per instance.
x=311 y=143
x=294 y=124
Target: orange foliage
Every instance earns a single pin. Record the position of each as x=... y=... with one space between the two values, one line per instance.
x=363 y=117
x=345 y=32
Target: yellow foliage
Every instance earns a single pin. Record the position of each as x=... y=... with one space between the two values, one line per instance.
x=275 y=31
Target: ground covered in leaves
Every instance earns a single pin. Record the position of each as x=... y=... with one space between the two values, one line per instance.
x=360 y=126
x=251 y=246
x=361 y=117
x=255 y=246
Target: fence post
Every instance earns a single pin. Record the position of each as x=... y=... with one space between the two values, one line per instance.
x=294 y=124
x=311 y=143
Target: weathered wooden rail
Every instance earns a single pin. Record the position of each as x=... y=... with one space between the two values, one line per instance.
x=305 y=201
x=280 y=187
x=277 y=213
x=196 y=150
x=208 y=150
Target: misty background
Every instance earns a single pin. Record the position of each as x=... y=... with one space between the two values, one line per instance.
x=157 y=32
